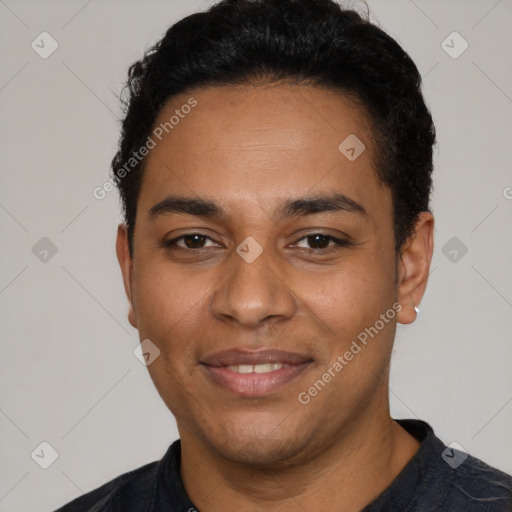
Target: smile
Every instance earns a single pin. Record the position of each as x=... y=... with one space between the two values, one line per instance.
x=258 y=368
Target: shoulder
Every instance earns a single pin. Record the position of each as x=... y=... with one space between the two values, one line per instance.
x=440 y=478
x=134 y=487
x=478 y=487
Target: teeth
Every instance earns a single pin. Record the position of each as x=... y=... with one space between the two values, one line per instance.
x=264 y=368
x=257 y=368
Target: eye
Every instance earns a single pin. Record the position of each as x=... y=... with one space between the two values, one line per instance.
x=190 y=241
x=316 y=241
x=319 y=241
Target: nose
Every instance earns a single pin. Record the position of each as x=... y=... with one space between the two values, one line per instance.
x=254 y=293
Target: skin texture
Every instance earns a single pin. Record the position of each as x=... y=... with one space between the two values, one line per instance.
x=248 y=148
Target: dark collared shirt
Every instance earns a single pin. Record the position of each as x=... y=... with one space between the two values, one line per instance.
x=437 y=479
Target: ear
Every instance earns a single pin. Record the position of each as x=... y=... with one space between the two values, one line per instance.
x=414 y=267
x=126 y=264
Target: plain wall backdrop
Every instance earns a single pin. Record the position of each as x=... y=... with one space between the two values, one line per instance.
x=68 y=373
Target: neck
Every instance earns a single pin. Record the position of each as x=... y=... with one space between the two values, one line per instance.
x=344 y=474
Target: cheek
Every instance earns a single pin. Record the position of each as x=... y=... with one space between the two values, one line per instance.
x=358 y=341
x=168 y=308
x=355 y=323
x=163 y=296
x=352 y=297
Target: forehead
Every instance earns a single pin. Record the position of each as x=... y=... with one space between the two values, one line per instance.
x=251 y=142
x=280 y=116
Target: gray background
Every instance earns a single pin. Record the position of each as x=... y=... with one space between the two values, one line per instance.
x=68 y=373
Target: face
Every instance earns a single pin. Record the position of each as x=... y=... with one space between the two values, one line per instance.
x=261 y=253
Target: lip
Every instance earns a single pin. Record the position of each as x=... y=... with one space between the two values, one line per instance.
x=235 y=357
x=253 y=384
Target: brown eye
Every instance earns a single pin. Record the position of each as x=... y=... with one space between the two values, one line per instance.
x=319 y=241
x=189 y=241
x=194 y=241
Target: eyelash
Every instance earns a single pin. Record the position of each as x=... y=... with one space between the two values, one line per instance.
x=171 y=244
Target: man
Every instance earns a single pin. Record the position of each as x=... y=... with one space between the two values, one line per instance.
x=275 y=171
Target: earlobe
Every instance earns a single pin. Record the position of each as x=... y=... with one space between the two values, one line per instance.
x=126 y=264
x=414 y=267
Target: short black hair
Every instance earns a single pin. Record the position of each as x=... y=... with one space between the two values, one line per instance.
x=315 y=42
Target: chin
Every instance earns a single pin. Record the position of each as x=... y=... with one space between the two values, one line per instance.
x=258 y=444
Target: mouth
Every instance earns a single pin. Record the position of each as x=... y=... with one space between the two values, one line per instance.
x=254 y=374
x=257 y=368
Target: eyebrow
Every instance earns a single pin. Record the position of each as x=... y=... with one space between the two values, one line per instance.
x=289 y=208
